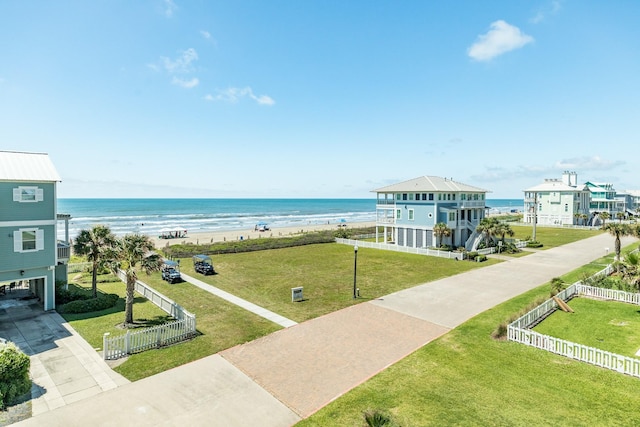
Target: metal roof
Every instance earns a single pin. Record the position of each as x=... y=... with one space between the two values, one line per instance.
x=556 y=185
x=430 y=183
x=17 y=166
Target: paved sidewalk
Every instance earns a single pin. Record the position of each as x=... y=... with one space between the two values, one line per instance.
x=249 y=306
x=296 y=371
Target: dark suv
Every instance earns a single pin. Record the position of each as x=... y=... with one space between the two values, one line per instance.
x=202 y=264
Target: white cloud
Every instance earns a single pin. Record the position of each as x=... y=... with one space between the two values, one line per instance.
x=588 y=163
x=234 y=94
x=182 y=64
x=542 y=14
x=205 y=34
x=187 y=84
x=501 y=38
x=169 y=8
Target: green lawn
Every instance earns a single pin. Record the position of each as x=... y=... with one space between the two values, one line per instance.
x=264 y=278
x=466 y=378
x=607 y=325
x=221 y=325
x=552 y=237
x=326 y=273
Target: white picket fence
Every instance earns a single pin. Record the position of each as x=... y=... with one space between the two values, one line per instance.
x=183 y=328
x=406 y=249
x=148 y=338
x=519 y=331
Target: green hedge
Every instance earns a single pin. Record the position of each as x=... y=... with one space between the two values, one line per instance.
x=251 y=245
x=88 y=305
x=14 y=374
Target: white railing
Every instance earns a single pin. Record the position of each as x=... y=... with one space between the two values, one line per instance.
x=494 y=249
x=157 y=336
x=406 y=249
x=148 y=338
x=519 y=331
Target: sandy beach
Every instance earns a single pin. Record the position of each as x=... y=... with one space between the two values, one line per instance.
x=227 y=235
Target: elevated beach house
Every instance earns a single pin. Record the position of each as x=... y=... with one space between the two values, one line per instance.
x=408 y=211
x=30 y=253
x=558 y=201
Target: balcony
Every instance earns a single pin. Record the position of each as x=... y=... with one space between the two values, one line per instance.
x=64 y=251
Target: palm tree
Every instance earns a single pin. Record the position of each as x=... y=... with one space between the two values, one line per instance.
x=617 y=230
x=604 y=216
x=584 y=217
x=501 y=229
x=135 y=249
x=557 y=285
x=487 y=227
x=441 y=230
x=97 y=244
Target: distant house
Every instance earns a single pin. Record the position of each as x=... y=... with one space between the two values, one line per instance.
x=29 y=247
x=557 y=201
x=408 y=211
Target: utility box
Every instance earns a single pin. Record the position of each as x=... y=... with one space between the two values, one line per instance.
x=296 y=294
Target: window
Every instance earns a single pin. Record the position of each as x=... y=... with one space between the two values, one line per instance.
x=417 y=196
x=448 y=196
x=410 y=196
x=463 y=197
x=424 y=196
x=28 y=240
x=430 y=196
x=439 y=196
x=410 y=214
x=28 y=194
x=404 y=196
x=398 y=214
x=453 y=196
x=398 y=196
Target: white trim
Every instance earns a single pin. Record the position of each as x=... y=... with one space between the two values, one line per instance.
x=26 y=223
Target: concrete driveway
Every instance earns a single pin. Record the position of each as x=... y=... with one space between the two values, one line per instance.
x=64 y=367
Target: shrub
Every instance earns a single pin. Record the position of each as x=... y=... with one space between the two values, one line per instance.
x=64 y=296
x=93 y=304
x=471 y=256
x=534 y=244
x=377 y=418
x=481 y=258
x=14 y=373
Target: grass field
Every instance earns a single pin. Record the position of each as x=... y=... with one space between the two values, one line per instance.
x=607 y=325
x=466 y=378
x=552 y=237
x=326 y=272
x=221 y=325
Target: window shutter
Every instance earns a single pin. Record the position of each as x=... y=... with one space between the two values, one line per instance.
x=39 y=194
x=17 y=241
x=16 y=195
x=39 y=240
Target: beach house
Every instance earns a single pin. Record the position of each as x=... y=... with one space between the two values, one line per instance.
x=407 y=212
x=558 y=201
x=30 y=253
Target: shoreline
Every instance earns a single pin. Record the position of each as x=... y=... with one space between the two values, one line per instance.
x=208 y=237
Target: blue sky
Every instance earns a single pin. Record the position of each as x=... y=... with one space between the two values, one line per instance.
x=326 y=98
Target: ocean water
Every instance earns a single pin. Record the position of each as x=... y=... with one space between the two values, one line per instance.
x=149 y=216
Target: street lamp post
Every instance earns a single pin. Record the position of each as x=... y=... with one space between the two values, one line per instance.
x=355 y=269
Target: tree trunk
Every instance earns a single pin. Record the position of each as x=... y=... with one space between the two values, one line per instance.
x=128 y=307
x=94 y=280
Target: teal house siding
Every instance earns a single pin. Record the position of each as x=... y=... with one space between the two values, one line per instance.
x=28 y=225
x=11 y=210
